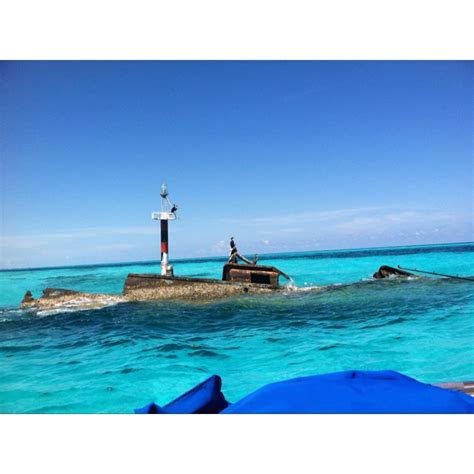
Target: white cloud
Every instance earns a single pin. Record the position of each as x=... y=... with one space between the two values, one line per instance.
x=36 y=240
x=342 y=228
x=218 y=247
x=300 y=218
x=408 y=221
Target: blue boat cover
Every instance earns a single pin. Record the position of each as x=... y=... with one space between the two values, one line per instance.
x=203 y=398
x=341 y=392
x=353 y=392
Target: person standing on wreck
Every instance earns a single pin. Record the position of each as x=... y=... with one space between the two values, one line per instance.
x=233 y=252
x=234 y=255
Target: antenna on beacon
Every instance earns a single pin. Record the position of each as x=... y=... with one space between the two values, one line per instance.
x=164 y=216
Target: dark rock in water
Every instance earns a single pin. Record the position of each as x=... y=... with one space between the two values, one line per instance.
x=385 y=272
x=28 y=298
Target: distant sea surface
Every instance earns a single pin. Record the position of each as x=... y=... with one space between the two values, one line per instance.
x=334 y=318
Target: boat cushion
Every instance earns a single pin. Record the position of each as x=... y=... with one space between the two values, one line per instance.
x=353 y=392
x=203 y=398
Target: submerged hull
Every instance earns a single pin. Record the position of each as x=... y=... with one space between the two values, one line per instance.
x=146 y=287
x=141 y=287
x=58 y=298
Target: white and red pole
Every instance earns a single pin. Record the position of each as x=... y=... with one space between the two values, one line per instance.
x=164 y=246
x=164 y=216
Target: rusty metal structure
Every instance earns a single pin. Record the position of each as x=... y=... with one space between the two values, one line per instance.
x=236 y=279
x=259 y=274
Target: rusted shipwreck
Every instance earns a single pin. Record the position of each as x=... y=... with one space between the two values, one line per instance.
x=237 y=278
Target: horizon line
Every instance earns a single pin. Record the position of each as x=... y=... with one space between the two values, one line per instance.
x=183 y=259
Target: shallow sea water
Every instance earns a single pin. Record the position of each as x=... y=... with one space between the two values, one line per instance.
x=336 y=318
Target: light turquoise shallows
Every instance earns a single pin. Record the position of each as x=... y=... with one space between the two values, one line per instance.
x=123 y=356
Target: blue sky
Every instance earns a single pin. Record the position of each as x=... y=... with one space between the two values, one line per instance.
x=284 y=156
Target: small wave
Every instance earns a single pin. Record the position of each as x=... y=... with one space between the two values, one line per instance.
x=288 y=290
x=196 y=339
x=207 y=353
x=309 y=287
x=51 y=312
x=328 y=347
x=336 y=326
x=11 y=314
x=79 y=304
x=20 y=348
x=128 y=370
x=388 y=323
x=68 y=345
x=118 y=342
x=187 y=368
x=291 y=285
x=275 y=339
x=297 y=323
x=170 y=347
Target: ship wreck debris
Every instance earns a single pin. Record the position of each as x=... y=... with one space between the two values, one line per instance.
x=53 y=298
x=256 y=279
x=386 y=271
x=237 y=278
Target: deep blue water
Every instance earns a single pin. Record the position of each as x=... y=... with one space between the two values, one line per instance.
x=119 y=357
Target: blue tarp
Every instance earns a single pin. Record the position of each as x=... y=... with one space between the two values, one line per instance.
x=341 y=392
x=203 y=398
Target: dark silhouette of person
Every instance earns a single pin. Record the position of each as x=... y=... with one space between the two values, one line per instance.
x=233 y=251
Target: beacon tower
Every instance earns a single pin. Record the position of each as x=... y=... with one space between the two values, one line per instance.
x=168 y=213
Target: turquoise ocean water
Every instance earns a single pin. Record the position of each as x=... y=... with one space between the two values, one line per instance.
x=120 y=357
